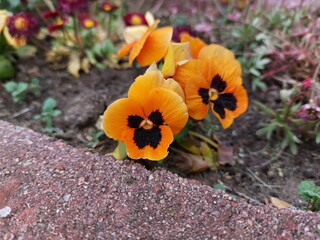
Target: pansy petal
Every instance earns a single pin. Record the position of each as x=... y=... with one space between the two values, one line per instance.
x=177 y=54
x=140 y=43
x=227 y=120
x=144 y=84
x=168 y=67
x=173 y=85
x=115 y=118
x=125 y=50
x=221 y=61
x=189 y=70
x=198 y=105
x=156 y=152
x=242 y=100
x=171 y=106
x=134 y=33
x=155 y=46
x=196 y=44
x=151 y=79
x=149 y=18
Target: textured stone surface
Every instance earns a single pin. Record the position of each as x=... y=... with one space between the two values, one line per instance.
x=58 y=192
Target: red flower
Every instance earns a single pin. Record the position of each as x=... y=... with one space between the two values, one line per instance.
x=71 y=6
x=23 y=25
x=88 y=22
x=133 y=19
x=59 y=24
x=50 y=14
x=178 y=31
x=108 y=7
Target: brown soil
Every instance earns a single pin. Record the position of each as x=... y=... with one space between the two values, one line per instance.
x=260 y=170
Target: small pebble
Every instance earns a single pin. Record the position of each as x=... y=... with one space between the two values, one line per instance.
x=4 y=212
x=66 y=197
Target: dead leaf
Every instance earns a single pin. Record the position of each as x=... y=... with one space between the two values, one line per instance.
x=74 y=64
x=98 y=123
x=209 y=155
x=85 y=65
x=225 y=152
x=188 y=163
x=120 y=151
x=279 y=203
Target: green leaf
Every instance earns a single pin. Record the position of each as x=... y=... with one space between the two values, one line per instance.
x=56 y=113
x=34 y=86
x=11 y=86
x=22 y=87
x=184 y=132
x=219 y=186
x=26 y=51
x=267 y=130
x=258 y=84
x=6 y=68
x=308 y=190
x=318 y=138
x=49 y=104
x=254 y=72
x=267 y=110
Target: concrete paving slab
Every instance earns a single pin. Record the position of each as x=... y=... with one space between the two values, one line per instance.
x=49 y=190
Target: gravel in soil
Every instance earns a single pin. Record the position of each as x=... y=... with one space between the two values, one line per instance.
x=260 y=170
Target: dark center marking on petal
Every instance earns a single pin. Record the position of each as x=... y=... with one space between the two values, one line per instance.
x=134 y=121
x=218 y=84
x=226 y=100
x=204 y=94
x=144 y=137
x=156 y=118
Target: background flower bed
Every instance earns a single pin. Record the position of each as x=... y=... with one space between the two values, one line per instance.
x=259 y=171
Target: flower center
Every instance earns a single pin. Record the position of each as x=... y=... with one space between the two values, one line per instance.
x=107 y=7
x=20 y=23
x=146 y=124
x=213 y=94
x=136 y=20
x=59 y=22
x=88 y=23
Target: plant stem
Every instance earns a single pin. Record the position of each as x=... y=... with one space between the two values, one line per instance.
x=76 y=31
x=313 y=85
x=207 y=140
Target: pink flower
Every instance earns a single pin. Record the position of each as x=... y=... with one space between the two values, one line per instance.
x=203 y=27
x=234 y=16
x=307 y=83
x=309 y=112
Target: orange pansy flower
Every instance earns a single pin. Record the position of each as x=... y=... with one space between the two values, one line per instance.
x=218 y=87
x=147 y=129
x=149 y=46
x=149 y=118
x=196 y=44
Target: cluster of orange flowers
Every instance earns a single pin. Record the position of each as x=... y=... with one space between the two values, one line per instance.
x=194 y=78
